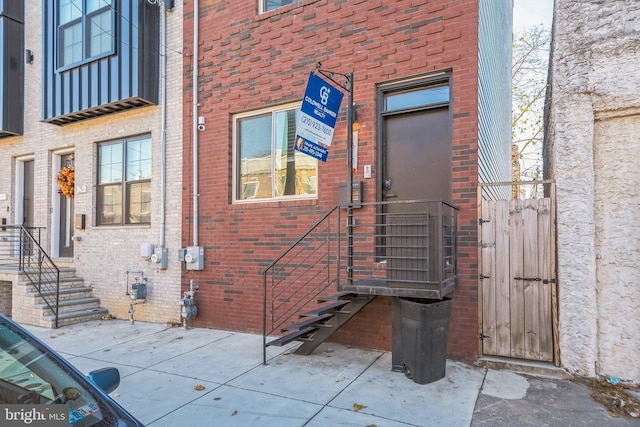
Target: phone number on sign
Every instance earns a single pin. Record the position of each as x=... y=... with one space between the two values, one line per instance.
x=315 y=124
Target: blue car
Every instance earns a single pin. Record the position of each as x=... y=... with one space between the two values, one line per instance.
x=36 y=382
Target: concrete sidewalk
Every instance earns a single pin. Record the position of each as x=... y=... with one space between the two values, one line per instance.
x=205 y=377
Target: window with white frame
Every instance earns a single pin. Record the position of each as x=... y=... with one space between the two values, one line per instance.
x=267 y=166
x=124 y=182
x=267 y=5
x=85 y=30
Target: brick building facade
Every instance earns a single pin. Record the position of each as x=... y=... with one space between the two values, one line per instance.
x=254 y=62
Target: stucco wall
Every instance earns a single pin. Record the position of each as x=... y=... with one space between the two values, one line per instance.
x=104 y=254
x=593 y=130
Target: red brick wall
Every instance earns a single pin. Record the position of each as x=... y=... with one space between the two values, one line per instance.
x=249 y=61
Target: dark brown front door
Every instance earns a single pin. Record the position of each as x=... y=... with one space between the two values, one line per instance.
x=65 y=241
x=417 y=163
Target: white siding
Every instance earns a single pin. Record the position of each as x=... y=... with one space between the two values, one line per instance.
x=494 y=91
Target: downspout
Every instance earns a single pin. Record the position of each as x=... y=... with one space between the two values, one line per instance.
x=196 y=42
x=163 y=114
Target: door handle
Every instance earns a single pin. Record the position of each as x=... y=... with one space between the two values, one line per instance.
x=387 y=187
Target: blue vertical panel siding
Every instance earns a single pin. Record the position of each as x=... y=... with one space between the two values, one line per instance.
x=126 y=78
x=495 y=35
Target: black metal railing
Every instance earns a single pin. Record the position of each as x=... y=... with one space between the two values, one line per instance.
x=20 y=250
x=294 y=280
x=408 y=244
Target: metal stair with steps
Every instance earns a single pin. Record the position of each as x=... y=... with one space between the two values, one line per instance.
x=317 y=325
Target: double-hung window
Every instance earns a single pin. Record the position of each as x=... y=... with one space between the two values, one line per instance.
x=267 y=5
x=85 y=30
x=124 y=182
x=266 y=164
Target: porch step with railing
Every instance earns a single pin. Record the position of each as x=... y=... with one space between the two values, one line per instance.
x=319 y=324
x=76 y=304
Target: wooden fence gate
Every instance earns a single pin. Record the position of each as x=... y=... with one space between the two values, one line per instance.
x=518 y=277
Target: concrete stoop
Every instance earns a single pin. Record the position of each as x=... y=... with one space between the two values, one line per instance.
x=76 y=304
x=524 y=367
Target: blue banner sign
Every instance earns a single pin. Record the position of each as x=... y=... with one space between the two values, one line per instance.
x=318 y=116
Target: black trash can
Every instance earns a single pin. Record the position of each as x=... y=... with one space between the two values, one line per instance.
x=425 y=330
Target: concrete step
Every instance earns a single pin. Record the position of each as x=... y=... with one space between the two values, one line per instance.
x=531 y=367
x=71 y=305
x=65 y=284
x=64 y=294
x=64 y=281
x=74 y=317
x=65 y=272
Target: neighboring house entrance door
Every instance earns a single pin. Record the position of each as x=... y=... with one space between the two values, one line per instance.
x=517 y=278
x=65 y=241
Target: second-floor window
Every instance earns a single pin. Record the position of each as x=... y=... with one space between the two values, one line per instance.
x=85 y=30
x=124 y=182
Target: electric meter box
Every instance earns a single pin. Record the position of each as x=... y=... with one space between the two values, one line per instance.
x=194 y=258
x=146 y=250
x=343 y=196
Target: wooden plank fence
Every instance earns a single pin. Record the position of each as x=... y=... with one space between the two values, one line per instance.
x=517 y=278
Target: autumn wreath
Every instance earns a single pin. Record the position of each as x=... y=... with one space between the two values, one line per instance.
x=66 y=179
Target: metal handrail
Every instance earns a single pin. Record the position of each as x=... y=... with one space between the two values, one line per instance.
x=317 y=223
x=311 y=258
x=20 y=249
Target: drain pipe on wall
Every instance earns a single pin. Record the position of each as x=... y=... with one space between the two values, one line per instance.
x=194 y=255
x=196 y=43
x=163 y=149
x=161 y=253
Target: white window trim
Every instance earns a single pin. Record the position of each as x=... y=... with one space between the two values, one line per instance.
x=235 y=143
x=263 y=9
